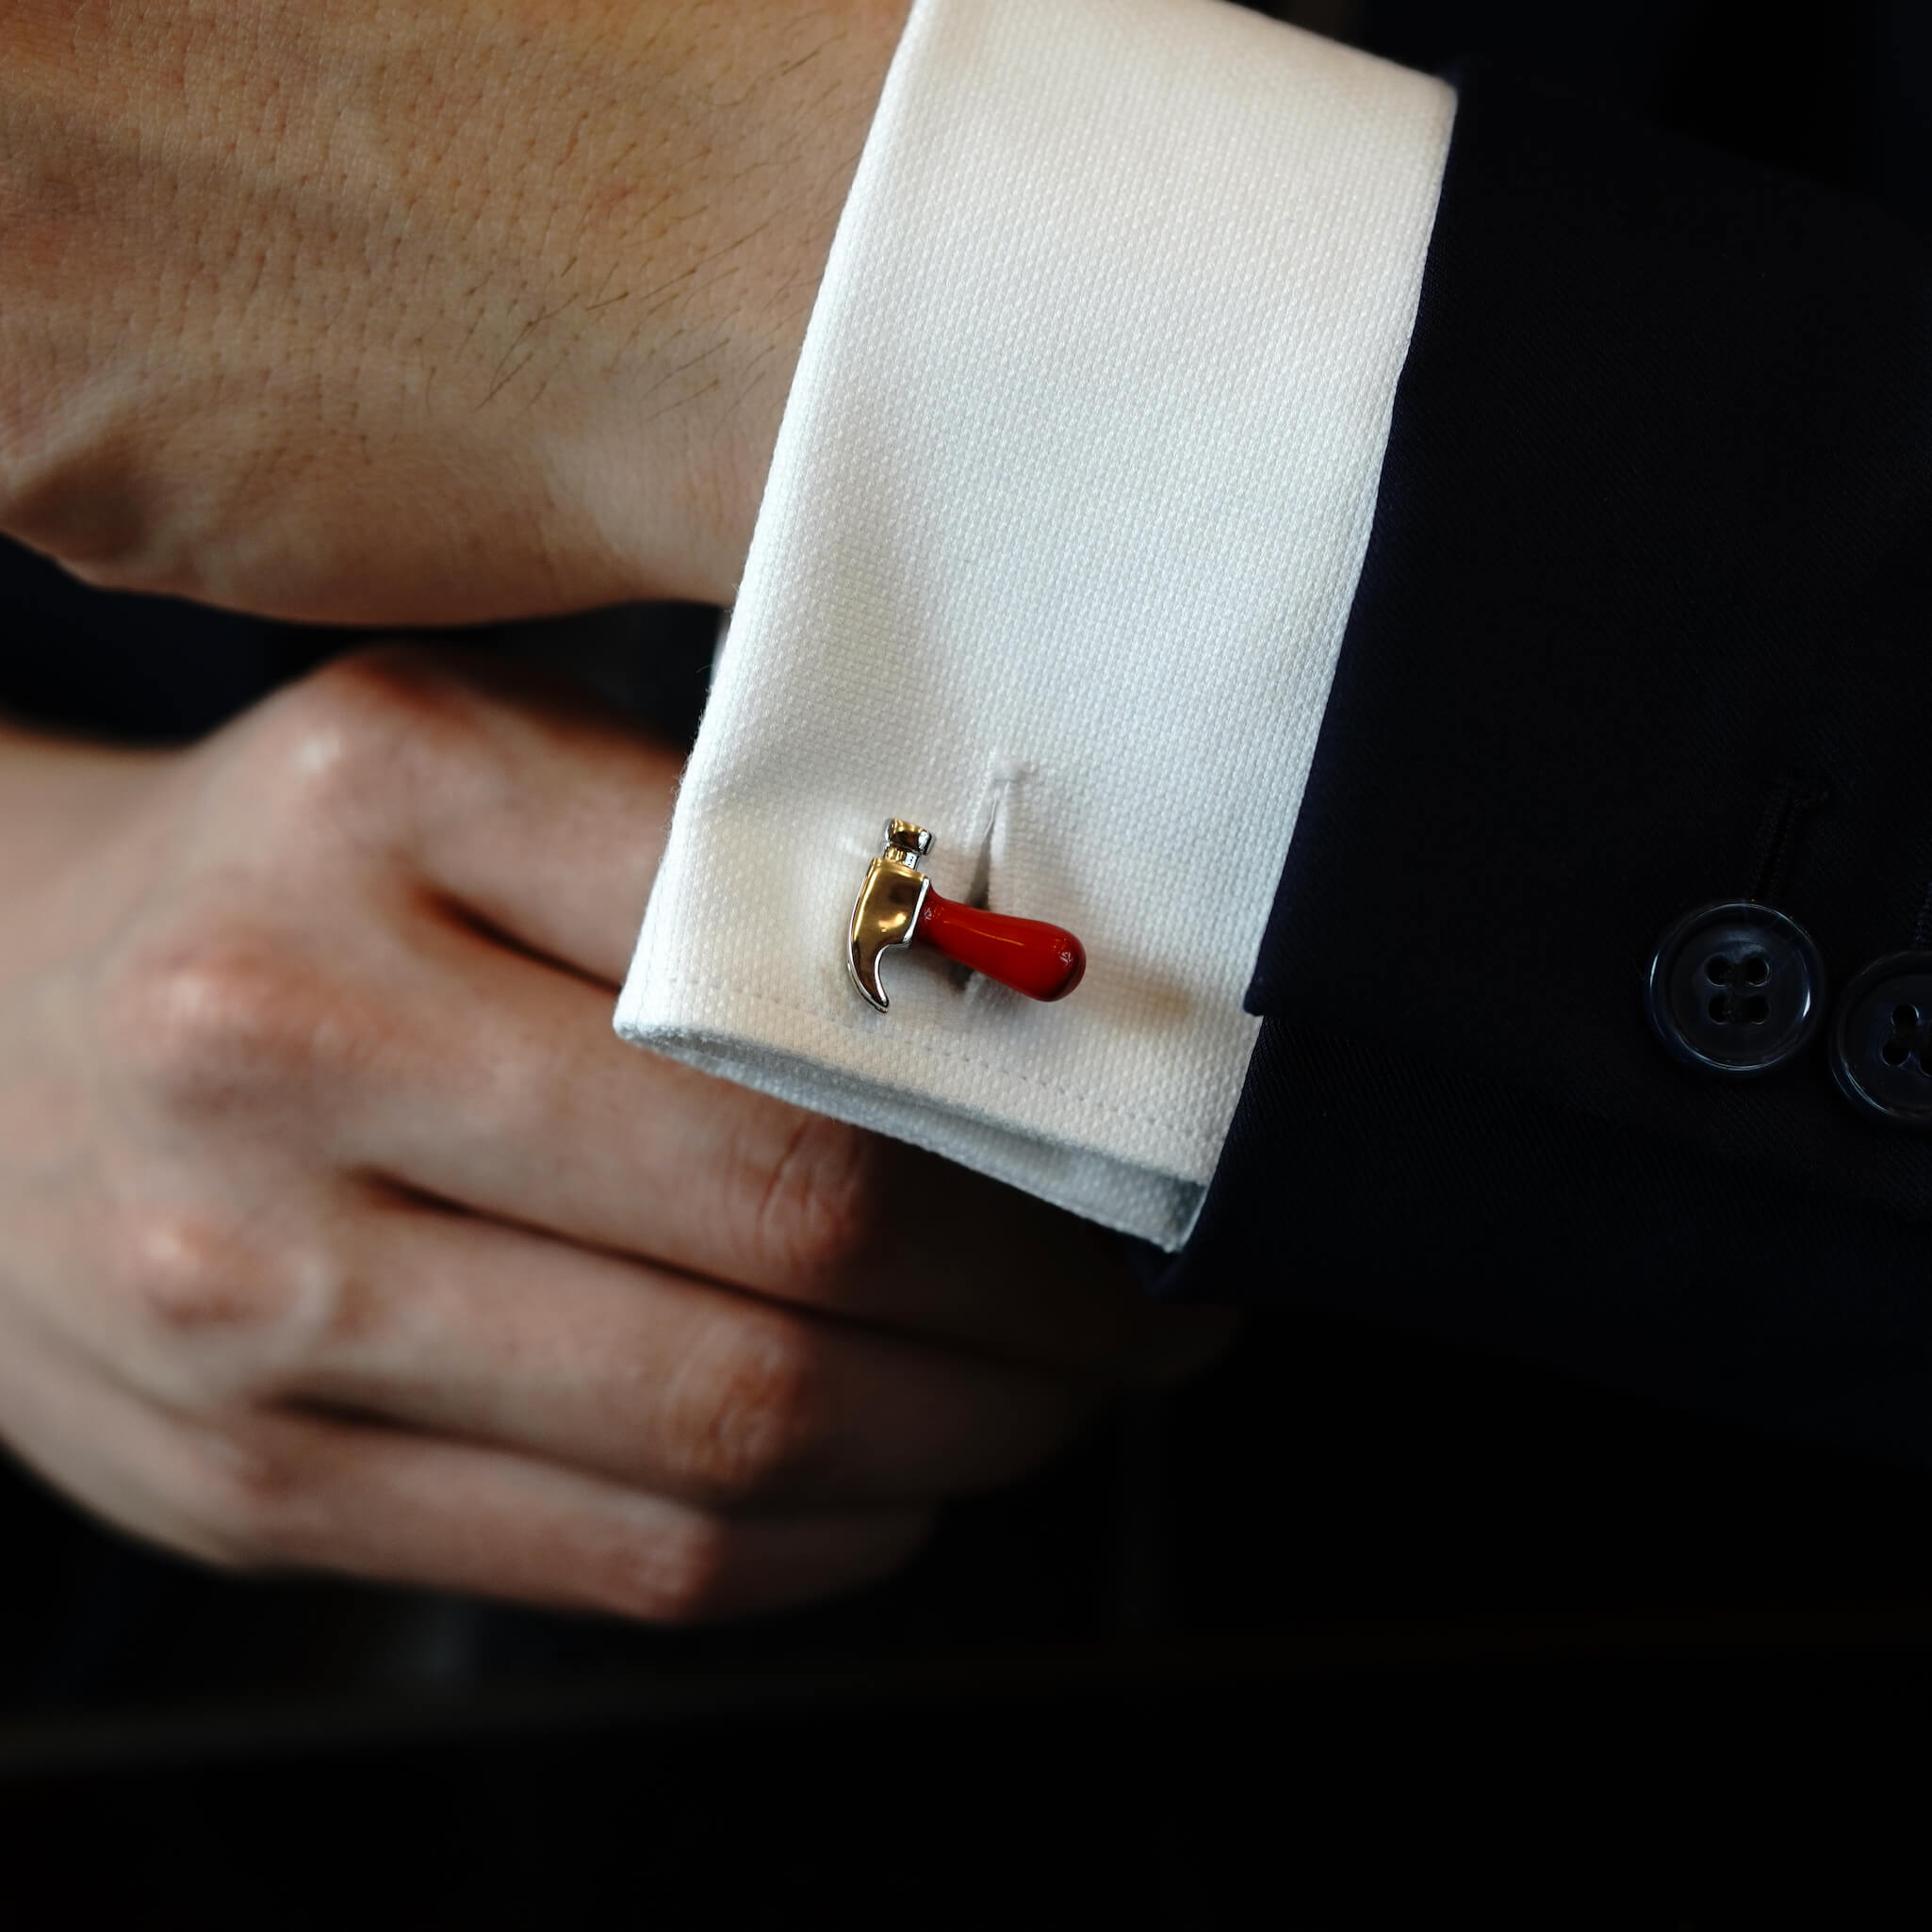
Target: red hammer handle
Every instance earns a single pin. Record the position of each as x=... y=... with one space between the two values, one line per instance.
x=1042 y=961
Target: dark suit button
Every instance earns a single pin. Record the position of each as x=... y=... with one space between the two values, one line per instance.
x=1735 y=988
x=1882 y=1039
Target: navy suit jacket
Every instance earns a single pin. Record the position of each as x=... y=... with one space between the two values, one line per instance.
x=1653 y=547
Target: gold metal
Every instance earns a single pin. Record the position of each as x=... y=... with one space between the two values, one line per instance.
x=885 y=913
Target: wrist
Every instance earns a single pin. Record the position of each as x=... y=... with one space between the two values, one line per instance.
x=396 y=312
x=700 y=354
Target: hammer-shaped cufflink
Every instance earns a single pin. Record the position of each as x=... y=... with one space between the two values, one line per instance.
x=898 y=905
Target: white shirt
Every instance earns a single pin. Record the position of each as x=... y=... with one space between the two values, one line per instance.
x=1057 y=551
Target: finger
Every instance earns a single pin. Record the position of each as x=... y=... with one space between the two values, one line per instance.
x=276 y=1490
x=458 y=1326
x=540 y=814
x=92 y=1437
x=543 y=820
x=509 y=1094
x=385 y=1504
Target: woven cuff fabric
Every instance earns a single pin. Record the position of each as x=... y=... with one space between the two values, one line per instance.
x=1055 y=560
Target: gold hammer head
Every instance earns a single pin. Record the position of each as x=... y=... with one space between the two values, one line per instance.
x=885 y=913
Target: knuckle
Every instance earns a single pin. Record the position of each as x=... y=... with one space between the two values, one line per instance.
x=354 y=754
x=679 y=1575
x=820 y=1206
x=746 y=1420
x=182 y=1275
x=355 y=723
x=245 y=1498
x=221 y=1313
x=209 y=1007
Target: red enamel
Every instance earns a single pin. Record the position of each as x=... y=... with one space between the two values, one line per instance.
x=1042 y=961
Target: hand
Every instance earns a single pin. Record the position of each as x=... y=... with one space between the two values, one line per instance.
x=413 y=311
x=342 y=1230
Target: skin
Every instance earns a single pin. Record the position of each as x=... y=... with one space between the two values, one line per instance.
x=413 y=311
x=342 y=1231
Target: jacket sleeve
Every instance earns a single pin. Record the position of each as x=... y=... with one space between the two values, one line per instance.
x=1651 y=561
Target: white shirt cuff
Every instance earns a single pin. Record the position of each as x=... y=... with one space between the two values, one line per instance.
x=1055 y=559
